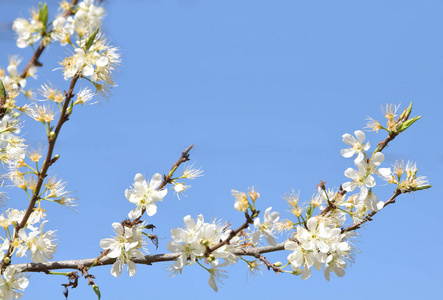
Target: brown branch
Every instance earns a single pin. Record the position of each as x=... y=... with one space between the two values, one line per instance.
x=370 y=215
x=147 y=260
x=381 y=145
x=167 y=179
x=233 y=233
x=88 y=276
x=268 y=264
x=331 y=204
x=184 y=157
x=48 y=161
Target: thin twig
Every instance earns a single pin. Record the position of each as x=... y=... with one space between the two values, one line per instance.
x=233 y=233
x=268 y=264
x=184 y=157
x=48 y=161
x=369 y=216
x=167 y=178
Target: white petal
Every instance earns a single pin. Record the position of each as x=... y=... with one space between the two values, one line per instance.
x=132 y=268
x=270 y=239
x=255 y=238
x=367 y=146
x=351 y=173
x=151 y=209
x=155 y=181
x=322 y=246
x=118 y=228
x=347 y=153
x=189 y=222
x=174 y=247
x=370 y=181
x=380 y=205
x=290 y=245
x=107 y=243
x=385 y=172
x=348 y=139
x=135 y=213
x=306 y=273
x=359 y=158
x=139 y=178
x=360 y=136
x=340 y=272
x=117 y=268
x=312 y=224
x=212 y=283
x=378 y=158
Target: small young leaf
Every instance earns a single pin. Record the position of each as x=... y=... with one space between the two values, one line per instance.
x=405 y=125
x=91 y=39
x=96 y=290
x=43 y=14
x=2 y=91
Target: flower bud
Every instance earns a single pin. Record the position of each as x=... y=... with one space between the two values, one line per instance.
x=211 y=257
x=254 y=195
x=96 y=290
x=7 y=260
x=297 y=271
x=52 y=135
x=278 y=264
x=405 y=125
x=405 y=114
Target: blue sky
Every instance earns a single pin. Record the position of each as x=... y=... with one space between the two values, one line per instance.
x=264 y=90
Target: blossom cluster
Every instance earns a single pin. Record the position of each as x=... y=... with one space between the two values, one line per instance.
x=195 y=240
x=362 y=178
x=12 y=283
x=126 y=246
x=128 y=243
x=318 y=241
x=12 y=147
x=318 y=245
x=41 y=244
x=76 y=25
x=84 y=18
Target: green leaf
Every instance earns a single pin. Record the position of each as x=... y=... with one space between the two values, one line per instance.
x=405 y=114
x=91 y=39
x=405 y=125
x=2 y=91
x=309 y=211
x=43 y=13
x=96 y=290
x=425 y=187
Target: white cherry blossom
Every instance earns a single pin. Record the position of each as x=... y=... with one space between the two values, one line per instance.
x=40 y=243
x=124 y=247
x=145 y=196
x=266 y=228
x=357 y=145
x=12 y=283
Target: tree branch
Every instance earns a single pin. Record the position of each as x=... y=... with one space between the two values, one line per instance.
x=48 y=161
x=233 y=233
x=147 y=260
x=370 y=215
